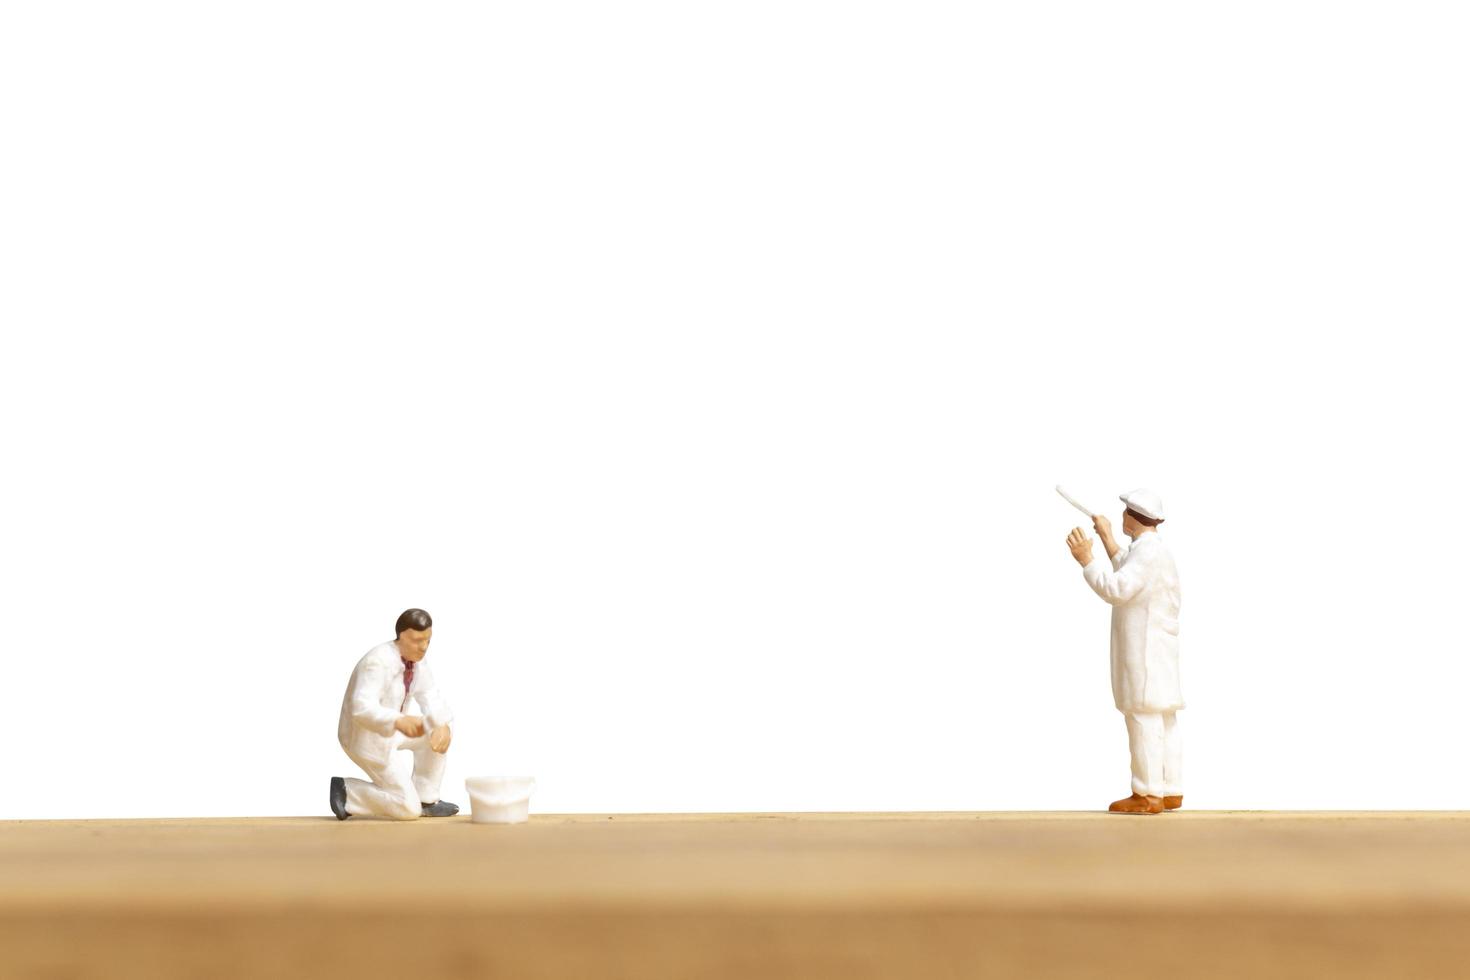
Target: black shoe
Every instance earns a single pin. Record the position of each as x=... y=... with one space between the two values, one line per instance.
x=441 y=809
x=338 y=797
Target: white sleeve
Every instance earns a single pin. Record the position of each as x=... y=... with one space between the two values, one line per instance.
x=1117 y=587
x=1120 y=558
x=366 y=710
x=426 y=695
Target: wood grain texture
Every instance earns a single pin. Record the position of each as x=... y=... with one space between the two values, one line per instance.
x=763 y=895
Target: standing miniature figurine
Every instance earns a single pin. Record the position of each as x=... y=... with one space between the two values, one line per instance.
x=1143 y=589
x=376 y=721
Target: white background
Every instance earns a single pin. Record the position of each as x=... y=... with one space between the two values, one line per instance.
x=705 y=369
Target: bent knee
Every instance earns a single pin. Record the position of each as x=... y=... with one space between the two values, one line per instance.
x=405 y=810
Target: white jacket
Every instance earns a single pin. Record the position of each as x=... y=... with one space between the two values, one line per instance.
x=375 y=698
x=1143 y=589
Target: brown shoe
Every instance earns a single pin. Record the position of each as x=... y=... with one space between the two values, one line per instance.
x=1137 y=804
x=1173 y=802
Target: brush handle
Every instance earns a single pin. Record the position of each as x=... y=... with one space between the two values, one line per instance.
x=1073 y=501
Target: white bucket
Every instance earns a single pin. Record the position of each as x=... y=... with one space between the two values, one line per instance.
x=499 y=799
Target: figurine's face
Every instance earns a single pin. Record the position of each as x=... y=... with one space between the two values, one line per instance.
x=1130 y=527
x=413 y=644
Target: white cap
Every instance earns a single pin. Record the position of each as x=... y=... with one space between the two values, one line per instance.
x=1144 y=502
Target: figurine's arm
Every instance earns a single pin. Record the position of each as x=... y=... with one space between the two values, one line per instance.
x=1116 y=587
x=426 y=695
x=436 y=710
x=1104 y=529
x=366 y=710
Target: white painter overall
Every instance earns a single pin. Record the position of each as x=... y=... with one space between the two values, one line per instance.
x=374 y=700
x=1143 y=588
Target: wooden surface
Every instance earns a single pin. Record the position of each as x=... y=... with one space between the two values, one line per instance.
x=1201 y=894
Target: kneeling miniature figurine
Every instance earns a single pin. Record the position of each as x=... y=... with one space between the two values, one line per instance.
x=376 y=722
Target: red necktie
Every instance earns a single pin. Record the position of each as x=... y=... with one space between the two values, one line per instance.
x=407 y=681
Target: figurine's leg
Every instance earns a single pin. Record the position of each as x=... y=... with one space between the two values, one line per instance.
x=428 y=769
x=1173 y=756
x=1146 y=745
x=390 y=794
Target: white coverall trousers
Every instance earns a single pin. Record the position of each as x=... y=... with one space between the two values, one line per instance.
x=1158 y=753
x=391 y=793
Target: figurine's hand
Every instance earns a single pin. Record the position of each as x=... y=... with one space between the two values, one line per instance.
x=1104 y=529
x=410 y=725
x=439 y=739
x=1081 y=546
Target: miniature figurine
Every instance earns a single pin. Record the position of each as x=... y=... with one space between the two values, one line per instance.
x=377 y=720
x=1142 y=586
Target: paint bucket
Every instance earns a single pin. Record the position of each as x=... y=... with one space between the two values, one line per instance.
x=499 y=799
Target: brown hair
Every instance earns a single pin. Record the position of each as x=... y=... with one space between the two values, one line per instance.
x=1145 y=521
x=412 y=619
